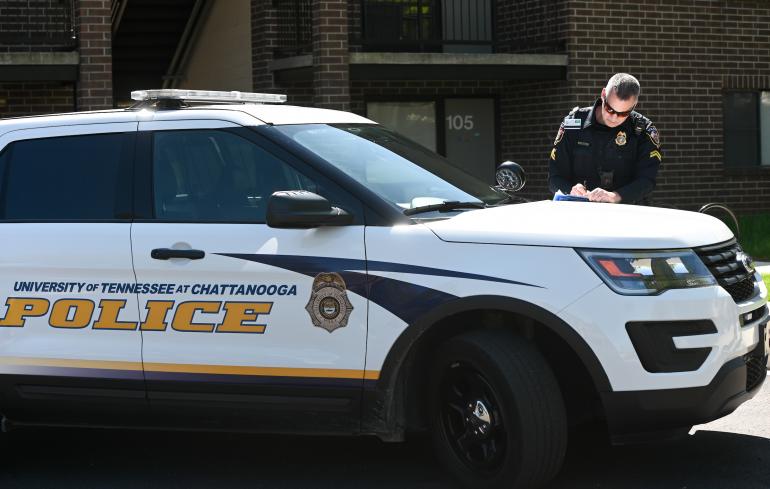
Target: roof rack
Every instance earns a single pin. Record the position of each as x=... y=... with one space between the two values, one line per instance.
x=177 y=98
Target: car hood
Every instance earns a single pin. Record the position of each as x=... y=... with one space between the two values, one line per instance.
x=583 y=225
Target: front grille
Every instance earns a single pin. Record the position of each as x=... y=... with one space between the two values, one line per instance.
x=742 y=290
x=730 y=273
x=756 y=370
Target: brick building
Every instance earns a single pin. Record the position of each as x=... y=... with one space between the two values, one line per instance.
x=54 y=56
x=480 y=81
x=704 y=66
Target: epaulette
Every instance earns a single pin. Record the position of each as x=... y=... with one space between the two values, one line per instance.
x=574 y=120
x=640 y=123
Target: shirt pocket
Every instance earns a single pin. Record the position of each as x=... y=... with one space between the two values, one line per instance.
x=620 y=160
x=584 y=166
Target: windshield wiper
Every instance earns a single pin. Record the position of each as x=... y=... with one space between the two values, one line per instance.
x=511 y=199
x=445 y=206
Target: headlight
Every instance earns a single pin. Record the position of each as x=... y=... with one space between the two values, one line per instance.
x=648 y=273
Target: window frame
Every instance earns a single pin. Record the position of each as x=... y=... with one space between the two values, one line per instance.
x=742 y=169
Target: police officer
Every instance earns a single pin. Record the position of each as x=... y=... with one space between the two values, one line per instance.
x=607 y=152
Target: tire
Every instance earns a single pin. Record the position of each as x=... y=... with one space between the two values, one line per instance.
x=496 y=412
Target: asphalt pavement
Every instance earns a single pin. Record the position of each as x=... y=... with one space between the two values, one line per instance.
x=733 y=452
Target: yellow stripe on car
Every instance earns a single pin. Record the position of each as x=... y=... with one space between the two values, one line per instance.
x=184 y=368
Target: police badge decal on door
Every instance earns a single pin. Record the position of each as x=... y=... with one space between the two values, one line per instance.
x=329 y=307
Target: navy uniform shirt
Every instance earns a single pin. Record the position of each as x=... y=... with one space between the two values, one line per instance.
x=623 y=159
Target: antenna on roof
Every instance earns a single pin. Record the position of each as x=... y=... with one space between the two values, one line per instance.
x=175 y=98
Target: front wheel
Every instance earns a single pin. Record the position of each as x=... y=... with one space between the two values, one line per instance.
x=497 y=415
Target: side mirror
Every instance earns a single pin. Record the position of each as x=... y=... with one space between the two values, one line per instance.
x=510 y=176
x=302 y=209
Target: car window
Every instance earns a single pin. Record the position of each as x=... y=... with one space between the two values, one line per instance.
x=66 y=178
x=217 y=176
x=399 y=170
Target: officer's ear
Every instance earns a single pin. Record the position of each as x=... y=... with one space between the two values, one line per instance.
x=604 y=93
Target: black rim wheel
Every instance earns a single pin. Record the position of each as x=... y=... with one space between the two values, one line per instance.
x=471 y=419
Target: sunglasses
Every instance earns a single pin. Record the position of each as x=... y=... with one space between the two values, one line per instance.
x=611 y=111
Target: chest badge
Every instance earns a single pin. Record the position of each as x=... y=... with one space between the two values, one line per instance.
x=329 y=306
x=620 y=139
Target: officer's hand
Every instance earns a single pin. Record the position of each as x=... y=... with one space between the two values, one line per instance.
x=601 y=195
x=579 y=189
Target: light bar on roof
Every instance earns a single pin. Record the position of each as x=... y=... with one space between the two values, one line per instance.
x=207 y=96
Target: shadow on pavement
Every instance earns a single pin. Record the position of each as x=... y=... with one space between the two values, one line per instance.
x=32 y=459
x=63 y=458
x=704 y=460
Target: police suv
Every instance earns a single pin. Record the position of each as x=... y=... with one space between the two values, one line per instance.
x=218 y=261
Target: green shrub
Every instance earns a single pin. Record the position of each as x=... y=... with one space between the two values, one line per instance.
x=755 y=235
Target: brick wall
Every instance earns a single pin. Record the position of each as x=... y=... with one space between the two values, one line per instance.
x=685 y=54
x=297 y=92
x=264 y=38
x=530 y=26
x=94 y=27
x=36 y=26
x=530 y=116
x=355 y=23
x=331 y=72
x=32 y=98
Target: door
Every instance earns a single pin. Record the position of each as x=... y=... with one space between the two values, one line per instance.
x=70 y=348
x=470 y=136
x=244 y=325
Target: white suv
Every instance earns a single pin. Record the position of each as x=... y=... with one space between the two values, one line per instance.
x=253 y=266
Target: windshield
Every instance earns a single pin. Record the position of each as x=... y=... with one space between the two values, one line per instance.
x=399 y=170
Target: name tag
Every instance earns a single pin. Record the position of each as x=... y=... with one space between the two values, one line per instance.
x=572 y=123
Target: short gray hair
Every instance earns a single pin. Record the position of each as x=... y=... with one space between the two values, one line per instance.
x=624 y=85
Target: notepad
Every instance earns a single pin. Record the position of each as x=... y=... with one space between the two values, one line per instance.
x=559 y=196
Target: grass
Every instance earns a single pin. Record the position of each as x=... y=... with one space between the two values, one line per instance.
x=755 y=236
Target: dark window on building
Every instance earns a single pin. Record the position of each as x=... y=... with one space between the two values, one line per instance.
x=747 y=128
x=399 y=24
x=458 y=26
x=67 y=178
x=467 y=135
x=216 y=176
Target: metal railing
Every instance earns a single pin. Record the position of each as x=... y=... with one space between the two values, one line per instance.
x=38 y=23
x=427 y=25
x=295 y=28
x=433 y=26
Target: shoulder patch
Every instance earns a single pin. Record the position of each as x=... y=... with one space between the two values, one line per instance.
x=652 y=133
x=559 y=135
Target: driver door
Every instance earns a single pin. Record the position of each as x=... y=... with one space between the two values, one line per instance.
x=236 y=332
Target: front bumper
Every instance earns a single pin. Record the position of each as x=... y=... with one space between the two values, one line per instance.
x=601 y=318
x=635 y=416
x=648 y=402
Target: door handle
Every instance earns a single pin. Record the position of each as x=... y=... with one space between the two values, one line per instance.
x=166 y=253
